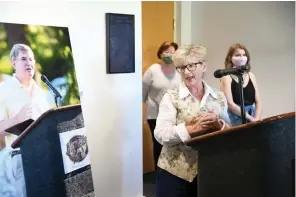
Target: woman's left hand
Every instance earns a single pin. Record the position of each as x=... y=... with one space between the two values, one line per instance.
x=210 y=120
x=255 y=119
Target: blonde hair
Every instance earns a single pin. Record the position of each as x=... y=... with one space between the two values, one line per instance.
x=189 y=54
x=16 y=50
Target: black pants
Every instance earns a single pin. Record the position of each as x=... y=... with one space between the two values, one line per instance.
x=156 y=146
x=168 y=185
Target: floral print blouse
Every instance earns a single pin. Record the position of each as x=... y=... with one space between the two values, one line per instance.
x=177 y=109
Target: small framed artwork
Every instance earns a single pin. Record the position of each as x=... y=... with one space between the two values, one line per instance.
x=120 y=41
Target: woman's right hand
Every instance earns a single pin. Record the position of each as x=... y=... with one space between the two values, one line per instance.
x=250 y=118
x=199 y=126
x=194 y=128
x=205 y=122
x=254 y=119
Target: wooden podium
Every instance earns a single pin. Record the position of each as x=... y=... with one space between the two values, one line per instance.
x=251 y=160
x=43 y=158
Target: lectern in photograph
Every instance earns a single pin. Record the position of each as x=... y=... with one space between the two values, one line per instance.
x=250 y=160
x=55 y=155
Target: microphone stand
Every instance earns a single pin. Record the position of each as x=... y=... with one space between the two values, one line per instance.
x=241 y=87
x=56 y=97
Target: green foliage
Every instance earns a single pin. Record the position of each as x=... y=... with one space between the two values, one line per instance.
x=53 y=54
x=5 y=66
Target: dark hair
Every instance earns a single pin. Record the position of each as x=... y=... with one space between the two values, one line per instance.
x=164 y=46
x=231 y=50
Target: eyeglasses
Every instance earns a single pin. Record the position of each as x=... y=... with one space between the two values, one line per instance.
x=190 y=67
x=26 y=59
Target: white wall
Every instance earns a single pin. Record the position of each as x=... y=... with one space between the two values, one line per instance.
x=111 y=103
x=183 y=26
x=266 y=28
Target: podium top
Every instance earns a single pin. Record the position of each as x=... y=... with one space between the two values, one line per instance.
x=16 y=143
x=196 y=140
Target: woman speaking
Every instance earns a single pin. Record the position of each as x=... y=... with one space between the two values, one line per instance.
x=190 y=108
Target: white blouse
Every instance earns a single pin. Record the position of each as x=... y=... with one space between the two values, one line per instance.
x=168 y=132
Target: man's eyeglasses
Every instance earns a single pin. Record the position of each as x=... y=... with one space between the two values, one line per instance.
x=26 y=59
x=190 y=67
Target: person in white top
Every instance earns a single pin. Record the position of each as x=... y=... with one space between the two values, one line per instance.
x=156 y=80
x=192 y=108
x=21 y=99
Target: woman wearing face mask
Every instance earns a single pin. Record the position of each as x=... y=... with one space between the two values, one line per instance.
x=238 y=55
x=156 y=80
x=190 y=108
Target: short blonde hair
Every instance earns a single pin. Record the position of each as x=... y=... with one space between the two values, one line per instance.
x=189 y=54
x=16 y=50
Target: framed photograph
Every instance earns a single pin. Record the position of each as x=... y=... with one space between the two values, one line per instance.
x=38 y=51
x=52 y=51
x=120 y=41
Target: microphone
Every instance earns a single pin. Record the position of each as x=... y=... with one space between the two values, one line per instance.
x=46 y=81
x=230 y=71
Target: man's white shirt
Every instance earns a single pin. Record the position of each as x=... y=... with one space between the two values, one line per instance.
x=13 y=97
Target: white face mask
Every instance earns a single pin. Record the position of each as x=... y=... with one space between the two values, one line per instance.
x=239 y=61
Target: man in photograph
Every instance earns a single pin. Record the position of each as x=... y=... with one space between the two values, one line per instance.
x=21 y=99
